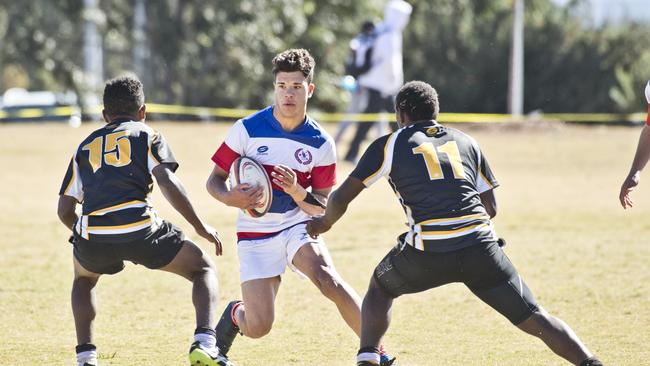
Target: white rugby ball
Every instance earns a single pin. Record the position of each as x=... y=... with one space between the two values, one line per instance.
x=249 y=171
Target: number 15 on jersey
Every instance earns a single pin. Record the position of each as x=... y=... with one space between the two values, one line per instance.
x=116 y=150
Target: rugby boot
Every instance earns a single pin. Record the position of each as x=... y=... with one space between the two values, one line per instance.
x=385 y=359
x=591 y=361
x=226 y=329
x=200 y=356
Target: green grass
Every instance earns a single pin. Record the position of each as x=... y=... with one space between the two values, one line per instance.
x=584 y=257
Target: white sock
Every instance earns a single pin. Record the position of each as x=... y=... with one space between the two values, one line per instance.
x=369 y=356
x=206 y=340
x=87 y=357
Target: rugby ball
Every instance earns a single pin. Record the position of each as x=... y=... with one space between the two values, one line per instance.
x=249 y=171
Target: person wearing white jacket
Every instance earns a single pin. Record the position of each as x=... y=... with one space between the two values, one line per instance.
x=386 y=75
x=640 y=159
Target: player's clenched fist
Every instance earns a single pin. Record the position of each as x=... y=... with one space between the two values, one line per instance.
x=317 y=226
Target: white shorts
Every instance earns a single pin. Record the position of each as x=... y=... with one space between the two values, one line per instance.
x=268 y=257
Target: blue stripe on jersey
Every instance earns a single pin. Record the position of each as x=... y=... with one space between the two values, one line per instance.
x=282 y=202
x=264 y=124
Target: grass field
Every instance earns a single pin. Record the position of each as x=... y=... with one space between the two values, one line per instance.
x=586 y=259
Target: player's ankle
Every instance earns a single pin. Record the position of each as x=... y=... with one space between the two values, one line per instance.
x=591 y=361
x=206 y=337
x=368 y=354
x=86 y=354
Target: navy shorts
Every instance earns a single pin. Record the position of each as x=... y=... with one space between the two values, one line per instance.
x=484 y=268
x=153 y=251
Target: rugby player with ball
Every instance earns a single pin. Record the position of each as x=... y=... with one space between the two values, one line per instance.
x=300 y=160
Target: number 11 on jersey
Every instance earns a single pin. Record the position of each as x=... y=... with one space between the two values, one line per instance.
x=432 y=161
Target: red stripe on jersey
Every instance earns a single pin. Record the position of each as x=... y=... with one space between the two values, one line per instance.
x=224 y=157
x=647 y=121
x=303 y=178
x=244 y=235
x=323 y=176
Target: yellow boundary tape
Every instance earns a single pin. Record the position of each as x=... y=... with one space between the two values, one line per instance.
x=39 y=112
x=208 y=112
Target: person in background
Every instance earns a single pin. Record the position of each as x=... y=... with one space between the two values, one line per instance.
x=357 y=64
x=386 y=74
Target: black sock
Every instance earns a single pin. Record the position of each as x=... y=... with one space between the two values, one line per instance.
x=368 y=350
x=591 y=361
x=206 y=330
x=85 y=347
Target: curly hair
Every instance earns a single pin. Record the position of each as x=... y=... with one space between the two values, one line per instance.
x=418 y=100
x=123 y=96
x=295 y=59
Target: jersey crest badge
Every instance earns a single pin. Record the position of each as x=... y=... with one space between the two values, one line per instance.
x=432 y=131
x=303 y=156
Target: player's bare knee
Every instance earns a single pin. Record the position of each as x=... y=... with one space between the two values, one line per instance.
x=203 y=272
x=84 y=282
x=536 y=322
x=328 y=281
x=257 y=332
x=375 y=292
x=258 y=328
x=375 y=289
x=198 y=262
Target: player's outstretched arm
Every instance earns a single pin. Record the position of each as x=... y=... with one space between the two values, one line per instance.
x=640 y=160
x=241 y=196
x=336 y=206
x=174 y=191
x=489 y=202
x=66 y=210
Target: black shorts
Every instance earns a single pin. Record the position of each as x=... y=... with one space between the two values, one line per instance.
x=153 y=251
x=484 y=268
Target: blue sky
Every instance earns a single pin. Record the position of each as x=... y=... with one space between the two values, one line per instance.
x=616 y=10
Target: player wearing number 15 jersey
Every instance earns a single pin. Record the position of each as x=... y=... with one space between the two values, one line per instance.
x=445 y=186
x=111 y=175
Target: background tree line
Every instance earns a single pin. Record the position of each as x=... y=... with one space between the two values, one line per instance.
x=218 y=52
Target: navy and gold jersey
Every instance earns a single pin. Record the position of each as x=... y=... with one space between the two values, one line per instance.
x=110 y=175
x=437 y=173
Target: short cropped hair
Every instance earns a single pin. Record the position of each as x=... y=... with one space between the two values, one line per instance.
x=418 y=100
x=295 y=59
x=123 y=96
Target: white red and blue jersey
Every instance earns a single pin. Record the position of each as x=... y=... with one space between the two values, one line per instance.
x=307 y=149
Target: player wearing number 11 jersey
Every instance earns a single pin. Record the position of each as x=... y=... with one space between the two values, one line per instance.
x=440 y=197
x=445 y=186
